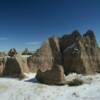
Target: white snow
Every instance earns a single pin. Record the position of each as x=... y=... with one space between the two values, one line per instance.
x=30 y=89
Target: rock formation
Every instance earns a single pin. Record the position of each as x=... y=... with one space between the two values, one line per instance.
x=13 y=65
x=12 y=52
x=49 y=63
x=82 y=56
x=2 y=54
x=26 y=52
x=73 y=53
x=53 y=76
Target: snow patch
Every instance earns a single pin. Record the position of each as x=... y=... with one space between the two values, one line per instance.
x=14 y=89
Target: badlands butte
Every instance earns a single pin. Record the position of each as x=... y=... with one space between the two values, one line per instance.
x=55 y=59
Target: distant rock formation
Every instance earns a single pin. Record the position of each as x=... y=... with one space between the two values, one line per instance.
x=2 y=54
x=12 y=52
x=26 y=52
x=75 y=53
x=13 y=65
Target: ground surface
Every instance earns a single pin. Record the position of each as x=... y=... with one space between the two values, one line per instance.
x=30 y=89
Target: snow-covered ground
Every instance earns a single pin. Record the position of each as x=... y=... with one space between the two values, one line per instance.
x=30 y=89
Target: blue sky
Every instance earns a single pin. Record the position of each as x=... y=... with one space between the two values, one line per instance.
x=27 y=23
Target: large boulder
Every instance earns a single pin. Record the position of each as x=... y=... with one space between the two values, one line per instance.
x=67 y=54
x=50 y=69
x=2 y=55
x=55 y=76
x=15 y=66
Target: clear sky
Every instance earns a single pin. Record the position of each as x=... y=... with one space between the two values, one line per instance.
x=26 y=23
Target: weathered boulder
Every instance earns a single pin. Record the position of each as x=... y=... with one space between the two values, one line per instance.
x=73 y=53
x=15 y=66
x=12 y=52
x=50 y=69
x=55 y=76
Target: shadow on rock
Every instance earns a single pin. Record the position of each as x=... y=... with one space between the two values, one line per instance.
x=32 y=80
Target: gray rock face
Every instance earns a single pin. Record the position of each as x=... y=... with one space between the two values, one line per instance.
x=2 y=54
x=1 y=65
x=27 y=52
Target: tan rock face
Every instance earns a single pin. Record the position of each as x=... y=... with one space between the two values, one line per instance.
x=83 y=56
x=73 y=53
x=43 y=59
x=1 y=66
x=53 y=76
x=14 y=66
x=50 y=69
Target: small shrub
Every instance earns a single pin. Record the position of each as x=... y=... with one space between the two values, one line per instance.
x=75 y=82
x=74 y=79
x=22 y=76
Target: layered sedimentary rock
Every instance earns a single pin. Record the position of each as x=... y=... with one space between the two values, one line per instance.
x=57 y=57
x=27 y=52
x=52 y=76
x=2 y=54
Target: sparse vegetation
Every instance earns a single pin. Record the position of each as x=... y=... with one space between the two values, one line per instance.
x=21 y=76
